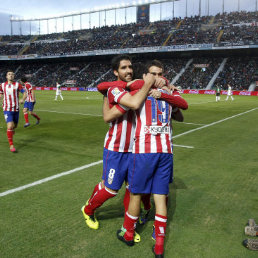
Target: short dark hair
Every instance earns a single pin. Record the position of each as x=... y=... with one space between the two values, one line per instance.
x=9 y=71
x=115 y=62
x=23 y=79
x=138 y=70
x=155 y=62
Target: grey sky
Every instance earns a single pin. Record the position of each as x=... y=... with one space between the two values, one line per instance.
x=37 y=8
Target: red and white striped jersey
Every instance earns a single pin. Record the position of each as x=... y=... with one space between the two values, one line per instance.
x=121 y=132
x=10 y=93
x=29 y=88
x=153 y=132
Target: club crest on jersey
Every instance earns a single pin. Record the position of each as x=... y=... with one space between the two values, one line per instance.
x=115 y=91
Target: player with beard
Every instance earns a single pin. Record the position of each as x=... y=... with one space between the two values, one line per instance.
x=118 y=140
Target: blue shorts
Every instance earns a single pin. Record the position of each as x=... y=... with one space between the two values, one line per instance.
x=29 y=105
x=11 y=116
x=150 y=173
x=115 y=168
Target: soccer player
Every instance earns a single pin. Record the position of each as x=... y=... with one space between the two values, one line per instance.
x=58 y=91
x=118 y=140
x=218 y=89
x=229 y=92
x=10 y=91
x=151 y=164
x=175 y=99
x=29 y=103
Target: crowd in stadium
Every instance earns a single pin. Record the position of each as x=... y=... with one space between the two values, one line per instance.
x=236 y=27
x=238 y=72
x=227 y=28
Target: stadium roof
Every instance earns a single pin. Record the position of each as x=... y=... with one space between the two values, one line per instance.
x=94 y=10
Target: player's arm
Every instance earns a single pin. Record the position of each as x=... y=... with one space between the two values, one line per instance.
x=110 y=114
x=135 y=101
x=24 y=96
x=177 y=114
x=24 y=92
x=1 y=91
x=32 y=95
x=175 y=99
x=104 y=86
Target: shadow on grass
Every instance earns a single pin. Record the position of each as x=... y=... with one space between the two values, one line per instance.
x=116 y=210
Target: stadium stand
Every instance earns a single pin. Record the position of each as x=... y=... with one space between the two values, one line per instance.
x=238 y=28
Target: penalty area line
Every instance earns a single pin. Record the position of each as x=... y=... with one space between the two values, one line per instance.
x=69 y=113
x=214 y=123
x=183 y=146
x=49 y=178
x=100 y=161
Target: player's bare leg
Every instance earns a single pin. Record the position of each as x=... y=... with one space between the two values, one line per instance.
x=35 y=115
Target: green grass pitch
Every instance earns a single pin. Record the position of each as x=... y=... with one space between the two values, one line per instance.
x=213 y=195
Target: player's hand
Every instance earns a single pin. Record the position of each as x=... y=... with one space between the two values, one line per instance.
x=160 y=82
x=21 y=101
x=166 y=89
x=149 y=79
x=155 y=93
x=173 y=87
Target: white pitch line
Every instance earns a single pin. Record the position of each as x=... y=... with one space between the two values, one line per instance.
x=70 y=113
x=187 y=123
x=49 y=178
x=183 y=146
x=214 y=123
x=100 y=161
x=198 y=103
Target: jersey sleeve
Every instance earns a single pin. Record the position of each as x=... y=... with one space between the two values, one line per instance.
x=175 y=99
x=21 y=88
x=114 y=96
x=136 y=85
x=104 y=86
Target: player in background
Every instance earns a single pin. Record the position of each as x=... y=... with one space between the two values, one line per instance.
x=151 y=163
x=29 y=102
x=58 y=91
x=118 y=140
x=10 y=92
x=230 y=93
x=218 y=89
